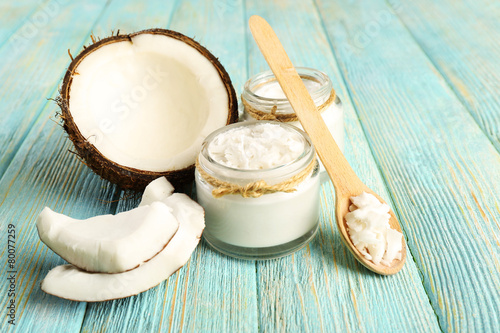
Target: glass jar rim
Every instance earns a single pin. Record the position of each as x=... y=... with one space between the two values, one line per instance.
x=262 y=78
x=283 y=171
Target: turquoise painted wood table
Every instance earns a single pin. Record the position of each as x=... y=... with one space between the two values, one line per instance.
x=419 y=81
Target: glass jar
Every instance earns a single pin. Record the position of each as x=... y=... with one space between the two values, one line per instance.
x=264 y=227
x=263 y=99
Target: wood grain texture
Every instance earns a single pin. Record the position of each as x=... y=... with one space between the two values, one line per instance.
x=13 y=15
x=445 y=187
x=31 y=70
x=323 y=288
x=465 y=49
x=211 y=292
x=44 y=173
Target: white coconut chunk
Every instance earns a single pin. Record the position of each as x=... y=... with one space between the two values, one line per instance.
x=394 y=246
x=69 y=282
x=184 y=208
x=148 y=103
x=158 y=190
x=109 y=243
x=370 y=231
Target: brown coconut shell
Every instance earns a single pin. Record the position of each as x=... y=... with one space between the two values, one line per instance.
x=126 y=177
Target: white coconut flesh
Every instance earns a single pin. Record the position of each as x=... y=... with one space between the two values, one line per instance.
x=69 y=282
x=148 y=103
x=109 y=243
x=158 y=190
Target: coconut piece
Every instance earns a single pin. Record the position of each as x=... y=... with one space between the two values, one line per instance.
x=138 y=106
x=69 y=282
x=109 y=243
x=157 y=190
x=184 y=208
x=394 y=246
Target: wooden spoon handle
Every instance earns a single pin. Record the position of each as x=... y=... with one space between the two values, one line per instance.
x=343 y=177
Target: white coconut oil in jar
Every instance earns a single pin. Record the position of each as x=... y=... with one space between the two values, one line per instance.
x=259 y=185
x=263 y=99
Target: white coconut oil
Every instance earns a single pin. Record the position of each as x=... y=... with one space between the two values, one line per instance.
x=369 y=230
x=262 y=96
x=265 y=154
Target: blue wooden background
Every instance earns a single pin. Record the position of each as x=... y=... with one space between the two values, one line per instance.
x=420 y=83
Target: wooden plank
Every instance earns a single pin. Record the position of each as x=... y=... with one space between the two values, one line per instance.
x=442 y=171
x=322 y=288
x=461 y=40
x=212 y=292
x=31 y=71
x=14 y=14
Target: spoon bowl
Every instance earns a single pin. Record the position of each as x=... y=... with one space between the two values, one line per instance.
x=344 y=179
x=342 y=204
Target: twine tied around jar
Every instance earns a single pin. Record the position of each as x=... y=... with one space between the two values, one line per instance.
x=255 y=189
x=282 y=117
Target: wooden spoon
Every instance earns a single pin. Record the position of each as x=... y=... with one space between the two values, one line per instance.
x=345 y=181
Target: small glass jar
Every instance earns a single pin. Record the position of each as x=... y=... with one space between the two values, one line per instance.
x=265 y=227
x=263 y=99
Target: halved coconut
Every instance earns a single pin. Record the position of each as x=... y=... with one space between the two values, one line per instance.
x=69 y=282
x=109 y=243
x=138 y=106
